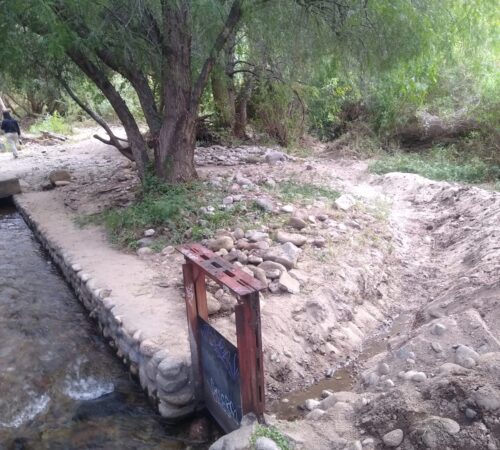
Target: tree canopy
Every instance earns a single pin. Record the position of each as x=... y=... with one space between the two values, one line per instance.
x=280 y=59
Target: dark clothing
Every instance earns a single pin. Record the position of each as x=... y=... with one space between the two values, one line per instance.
x=10 y=126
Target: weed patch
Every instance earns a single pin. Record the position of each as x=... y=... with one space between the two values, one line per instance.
x=271 y=433
x=289 y=191
x=177 y=213
x=441 y=164
x=53 y=124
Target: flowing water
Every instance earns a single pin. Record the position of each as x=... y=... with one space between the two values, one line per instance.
x=61 y=387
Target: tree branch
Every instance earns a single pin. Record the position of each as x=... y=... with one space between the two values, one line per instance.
x=125 y=151
x=139 y=83
x=113 y=140
x=128 y=69
x=120 y=107
x=232 y=20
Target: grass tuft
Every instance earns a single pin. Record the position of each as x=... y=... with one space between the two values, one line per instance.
x=177 y=212
x=52 y=123
x=441 y=164
x=271 y=433
x=289 y=191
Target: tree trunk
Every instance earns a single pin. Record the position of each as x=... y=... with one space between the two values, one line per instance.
x=223 y=97
x=177 y=164
x=134 y=136
x=174 y=156
x=2 y=105
x=240 y=118
x=36 y=105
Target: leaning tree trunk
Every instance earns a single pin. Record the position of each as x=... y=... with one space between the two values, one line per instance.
x=98 y=76
x=2 y=105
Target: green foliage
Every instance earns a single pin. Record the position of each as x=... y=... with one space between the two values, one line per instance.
x=276 y=110
x=271 y=433
x=445 y=62
x=454 y=74
x=177 y=211
x=173 y=207
x=396 y=57
x=440 y=163
x=54 y=123
x=326 y=98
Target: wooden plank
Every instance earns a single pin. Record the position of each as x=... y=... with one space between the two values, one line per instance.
x=193 y=332
x=220 y=270
x=219 y=371
x=200 y=291
x=248 y=332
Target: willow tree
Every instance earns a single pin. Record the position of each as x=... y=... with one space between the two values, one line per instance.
x=150 y=44
x=166 y=50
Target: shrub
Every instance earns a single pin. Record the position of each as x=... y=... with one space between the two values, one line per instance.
x=441 y=164
x=52 y=123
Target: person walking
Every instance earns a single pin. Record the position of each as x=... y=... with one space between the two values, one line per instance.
x=12 y=132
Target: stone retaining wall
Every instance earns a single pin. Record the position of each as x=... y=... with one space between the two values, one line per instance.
x=166 y=378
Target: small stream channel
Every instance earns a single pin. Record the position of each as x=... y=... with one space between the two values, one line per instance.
x=344 y=378
x=61 y=387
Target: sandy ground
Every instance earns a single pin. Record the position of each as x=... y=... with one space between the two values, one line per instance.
x=425 y=252
x=145 y=300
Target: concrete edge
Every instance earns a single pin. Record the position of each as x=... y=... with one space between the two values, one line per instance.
x=9 y=186
x=167 y=379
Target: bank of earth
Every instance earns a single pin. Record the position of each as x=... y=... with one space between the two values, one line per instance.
x=341 y=263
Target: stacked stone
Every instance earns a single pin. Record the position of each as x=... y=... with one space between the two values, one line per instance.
x=165 y=377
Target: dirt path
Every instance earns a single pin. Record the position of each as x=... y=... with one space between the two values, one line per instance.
x=407 y=247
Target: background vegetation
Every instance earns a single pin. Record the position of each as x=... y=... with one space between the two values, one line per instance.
x=421 y=76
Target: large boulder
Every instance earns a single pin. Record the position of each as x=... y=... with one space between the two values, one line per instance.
x=221 y=242
x=265 y=204
x=296 y=239
x=272 y=269
x=297 y=222
x=240 y=439
x=289 y=284
x=286 y=254
x=393 y=438
x=345 y=202
x=58 y=176
x=272 y=157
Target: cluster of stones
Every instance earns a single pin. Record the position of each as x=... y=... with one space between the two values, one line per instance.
x=165 y=377
x=344 y=404
x=269 y=254
x=432 y=430
x=225 y=156
x=269 y=257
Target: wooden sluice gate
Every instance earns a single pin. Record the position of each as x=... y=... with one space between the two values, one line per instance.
x=228 y=379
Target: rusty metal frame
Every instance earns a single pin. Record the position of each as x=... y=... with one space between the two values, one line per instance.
x=200 y=263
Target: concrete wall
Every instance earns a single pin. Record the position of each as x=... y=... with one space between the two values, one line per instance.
x=166 y=378
x=9 y=187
